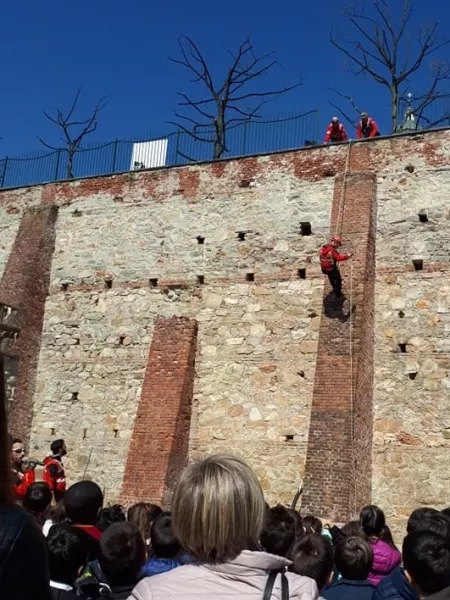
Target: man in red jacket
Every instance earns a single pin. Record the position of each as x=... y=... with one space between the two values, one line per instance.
x=367 y=128
x=329 y=257
x=335 y=132
x=54 y=473
x=22 y=477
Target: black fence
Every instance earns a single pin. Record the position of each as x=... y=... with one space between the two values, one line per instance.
x=176 y=148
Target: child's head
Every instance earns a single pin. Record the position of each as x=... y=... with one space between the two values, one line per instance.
x=353 y=558
x=38 y=497
x=312 y=556
x=312 y=524
x=122 y=553
x=109 y=515
x=67 y=555
x=426 y=558
x=163 y=541
x=83 y=502
x=279 y=531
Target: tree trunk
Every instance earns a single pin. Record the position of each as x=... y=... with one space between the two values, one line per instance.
x=69 y=171
x=395 y=101
x=219 y=142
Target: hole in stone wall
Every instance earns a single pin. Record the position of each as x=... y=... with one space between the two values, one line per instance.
x=77 y=341
x=245 y=183
x=116 y=432
x=64 y=287
x=200 y=279
x=423 y=217
x=77 y=213
x=401 y=314
x=301 y=273
x=305 y=228
x=200 y=239
x=241 y=236
x=74 y=396
x=301 y=374
x=418 y=264
x=153 y=282
x=84 y=434
x=53 y=431
x=289 y=438
x=121 y=340
x=410 y=168
x=412 y=375
x=402 y=348
x=250 y=277
x=108 y=284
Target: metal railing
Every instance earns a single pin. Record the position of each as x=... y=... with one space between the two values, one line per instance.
x=259 y=136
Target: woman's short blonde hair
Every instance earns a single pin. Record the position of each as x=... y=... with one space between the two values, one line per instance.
x=218 y=509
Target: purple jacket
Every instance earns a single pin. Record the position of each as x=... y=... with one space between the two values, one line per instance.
x=385 y=560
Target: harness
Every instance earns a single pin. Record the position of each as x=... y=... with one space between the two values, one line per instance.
x=326 y=258
x=336 y=134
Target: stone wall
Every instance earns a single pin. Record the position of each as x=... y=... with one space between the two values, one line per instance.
x=257 y=340
x=412 y=382
x=221 y=243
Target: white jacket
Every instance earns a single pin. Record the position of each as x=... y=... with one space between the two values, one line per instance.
x=243 y=578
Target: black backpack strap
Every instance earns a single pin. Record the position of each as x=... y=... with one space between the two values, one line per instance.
x=271 y=582
x=284 y=587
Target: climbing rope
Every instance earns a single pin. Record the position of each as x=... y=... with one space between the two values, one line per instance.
x=344 y=185
x=352 y=393
x=338 y=231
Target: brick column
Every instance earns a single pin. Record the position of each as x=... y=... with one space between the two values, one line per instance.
x=158 y=450
x=338 y=462
x=24 y=286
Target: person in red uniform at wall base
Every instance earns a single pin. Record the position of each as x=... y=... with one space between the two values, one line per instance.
x=54 y=473
x=329 y=257
x=335 y=132
x=22 y=477
x=367 y=127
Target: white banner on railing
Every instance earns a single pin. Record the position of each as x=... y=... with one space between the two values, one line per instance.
x=147 y=155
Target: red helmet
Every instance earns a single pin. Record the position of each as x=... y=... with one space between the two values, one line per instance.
x=337 y=240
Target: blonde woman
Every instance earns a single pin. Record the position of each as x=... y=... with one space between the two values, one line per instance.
x=218 y=514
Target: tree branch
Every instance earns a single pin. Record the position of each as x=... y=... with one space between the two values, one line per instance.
x=245 y=68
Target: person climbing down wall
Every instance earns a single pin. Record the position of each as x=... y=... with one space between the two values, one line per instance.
x=329 y=257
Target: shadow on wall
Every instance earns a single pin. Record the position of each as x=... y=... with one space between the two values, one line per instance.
x=334 y=307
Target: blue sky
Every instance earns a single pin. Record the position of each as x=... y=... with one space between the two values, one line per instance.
x=121 y=48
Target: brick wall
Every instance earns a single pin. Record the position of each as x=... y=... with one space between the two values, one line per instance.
x=341 y=406
x=24 y=286
x=158 y=449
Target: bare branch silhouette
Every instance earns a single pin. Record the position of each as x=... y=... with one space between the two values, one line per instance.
x=211 y=112
x=72 y=141
x=382 y=50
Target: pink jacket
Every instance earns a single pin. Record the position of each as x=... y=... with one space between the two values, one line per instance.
x=243 y=577
x=385 y=560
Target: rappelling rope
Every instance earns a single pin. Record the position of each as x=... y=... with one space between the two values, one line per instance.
x=352 y=393
x=338 y=230
x=344 y=185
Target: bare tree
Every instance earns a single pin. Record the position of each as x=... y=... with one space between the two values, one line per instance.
x=227 y=104
x=384 y=50
x=73 y=131
x=352 y=119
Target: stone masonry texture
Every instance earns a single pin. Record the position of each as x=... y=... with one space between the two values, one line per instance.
x=127 y=255
x=162 y=421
